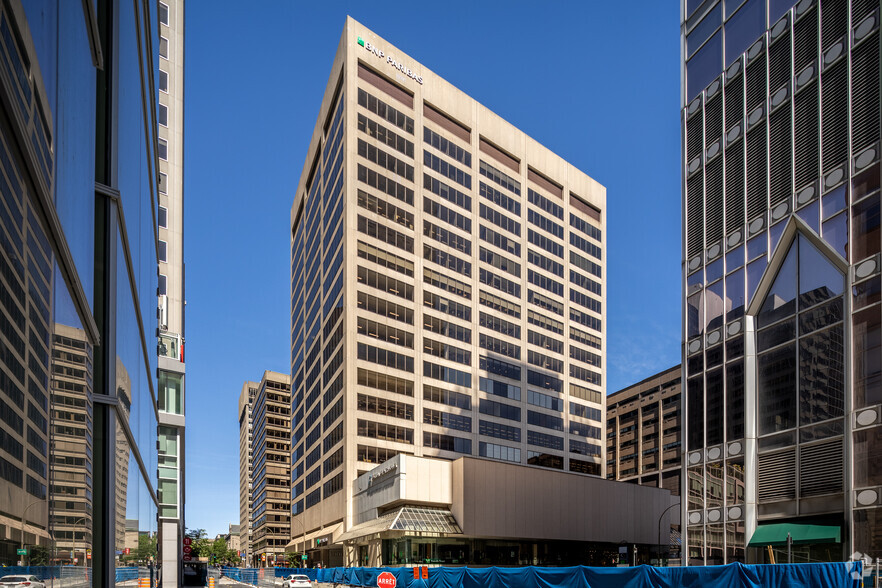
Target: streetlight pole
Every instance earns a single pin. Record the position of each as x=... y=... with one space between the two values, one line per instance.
x=664 y=512
x=23 y=523
x=303 y=528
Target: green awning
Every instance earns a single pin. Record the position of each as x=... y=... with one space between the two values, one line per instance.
x=776 y=534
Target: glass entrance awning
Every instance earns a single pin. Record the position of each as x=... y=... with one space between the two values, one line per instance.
x=412 y=520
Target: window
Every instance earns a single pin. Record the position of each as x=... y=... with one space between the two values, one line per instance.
x=502 y=452
x=163 y=285
x=163 y=14
x=448 y=397
x=163 y=251
x=163 y=115
x=163 y=47
x=163 y=183
x=499 y=431
x=447 y=442
x=163 y=81
x=163 y=217
x=163 y=149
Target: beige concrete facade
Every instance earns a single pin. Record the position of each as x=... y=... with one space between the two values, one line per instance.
x=452 y=503
x=501 y=282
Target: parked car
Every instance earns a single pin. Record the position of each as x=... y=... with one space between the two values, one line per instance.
x=19 y=581
x=296 y=581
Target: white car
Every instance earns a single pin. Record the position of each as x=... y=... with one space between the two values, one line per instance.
x=296 y=581
x=21 y=581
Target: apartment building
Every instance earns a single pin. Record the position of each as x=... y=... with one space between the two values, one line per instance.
x=246 y=403
x=643 y=432
x=270 y=502
x=171 y=299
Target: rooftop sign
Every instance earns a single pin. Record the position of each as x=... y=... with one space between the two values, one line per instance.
x=390 y=60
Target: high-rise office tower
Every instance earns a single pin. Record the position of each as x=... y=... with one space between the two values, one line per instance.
x=270 y=500
x=170 y=227
x=781 y=242
x=246 y=403
x=78 y=279
x=446 y=290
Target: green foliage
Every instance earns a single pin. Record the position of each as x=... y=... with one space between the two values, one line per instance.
x=40 y=555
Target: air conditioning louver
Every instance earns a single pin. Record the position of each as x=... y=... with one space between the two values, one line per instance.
x=734 y=186
x=734 y=95
x=714 y=191
x=756 y=83
x=695 y=215
x=779 y=62
x=861 y=8
x=776 y=476
x=756 y=175
x=806 y=135
x=805 y=40
x=694 y=143
x=834 y=117
x=820 y=469
x=865 y=94
x=713 y=120
x=780 y=156
x=834 y=21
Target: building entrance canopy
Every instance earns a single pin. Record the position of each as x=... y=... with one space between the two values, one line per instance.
x=776 y=534
x=412 y=520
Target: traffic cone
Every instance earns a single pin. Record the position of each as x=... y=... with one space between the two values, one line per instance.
x=211 y=582
x=143 y=582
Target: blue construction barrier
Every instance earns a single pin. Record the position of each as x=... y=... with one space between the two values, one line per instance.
x=47 y=572
x=828 y=575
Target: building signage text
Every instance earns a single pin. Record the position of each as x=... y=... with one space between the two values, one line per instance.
x=390 y=60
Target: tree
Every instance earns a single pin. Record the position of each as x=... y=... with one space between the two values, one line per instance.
x=200 y=543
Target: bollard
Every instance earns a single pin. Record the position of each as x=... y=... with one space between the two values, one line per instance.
x=143 y=582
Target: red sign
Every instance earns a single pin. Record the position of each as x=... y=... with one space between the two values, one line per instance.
x=126 y=550
x=187 y=540
x=425 y=572
x=416 y=572
x=187 y=549
x=386 y=580
x=186 y=558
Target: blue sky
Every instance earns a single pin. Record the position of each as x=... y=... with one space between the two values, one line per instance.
x=595 y=82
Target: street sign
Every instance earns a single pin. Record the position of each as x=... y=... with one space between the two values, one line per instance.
x=425 y=572
x=303 y=557
x=186 y=557
x=76 y=560
x=386 y=580
x=187 y=549
x=127 y=550
x=21 y=551
x=187 y=540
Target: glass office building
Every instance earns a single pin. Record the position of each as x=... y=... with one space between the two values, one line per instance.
x=447 y=288
x=78 y=280
x=781 y=269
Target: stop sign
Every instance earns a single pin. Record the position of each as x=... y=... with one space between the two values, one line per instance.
x=386 y=580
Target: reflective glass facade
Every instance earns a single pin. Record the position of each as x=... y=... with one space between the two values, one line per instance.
x=781 y=242
x=78 y=276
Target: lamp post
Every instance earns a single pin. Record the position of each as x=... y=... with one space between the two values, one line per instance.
x=302 y=528
x=664 y=512
x=23 y=519
x=74 y=540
